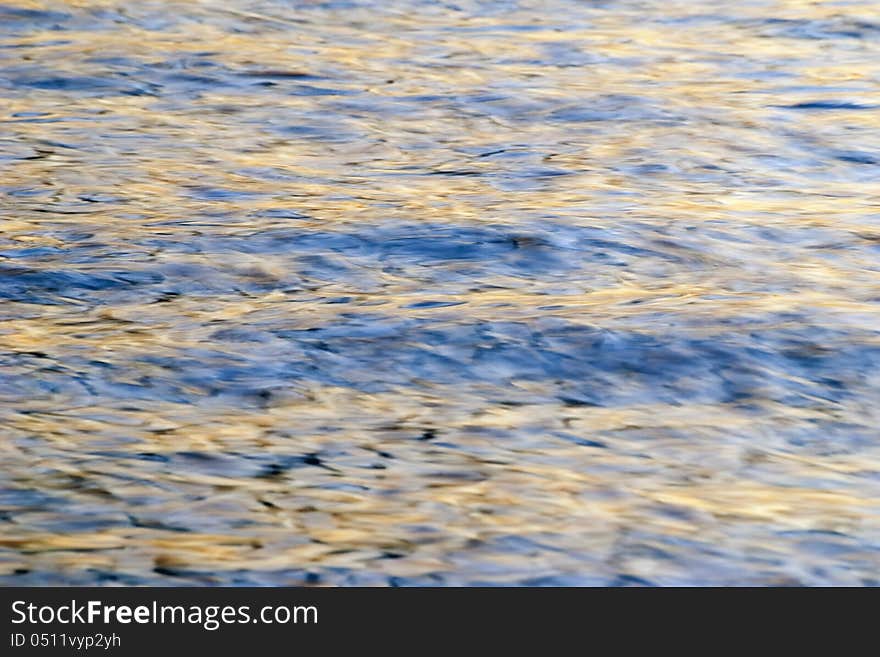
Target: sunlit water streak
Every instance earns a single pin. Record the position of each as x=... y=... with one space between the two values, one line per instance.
x=439 y=293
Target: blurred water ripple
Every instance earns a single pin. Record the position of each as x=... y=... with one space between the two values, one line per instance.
x=439 y=293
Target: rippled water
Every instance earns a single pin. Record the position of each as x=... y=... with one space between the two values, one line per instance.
x=496 y=292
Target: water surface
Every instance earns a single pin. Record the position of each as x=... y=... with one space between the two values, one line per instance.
x=407 y=293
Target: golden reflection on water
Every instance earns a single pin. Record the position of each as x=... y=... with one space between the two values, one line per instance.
x=422 y=293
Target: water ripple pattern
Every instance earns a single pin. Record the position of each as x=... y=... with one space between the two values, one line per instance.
x=506 y=292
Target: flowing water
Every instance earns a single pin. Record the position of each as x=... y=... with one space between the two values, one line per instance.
x=439 y=293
